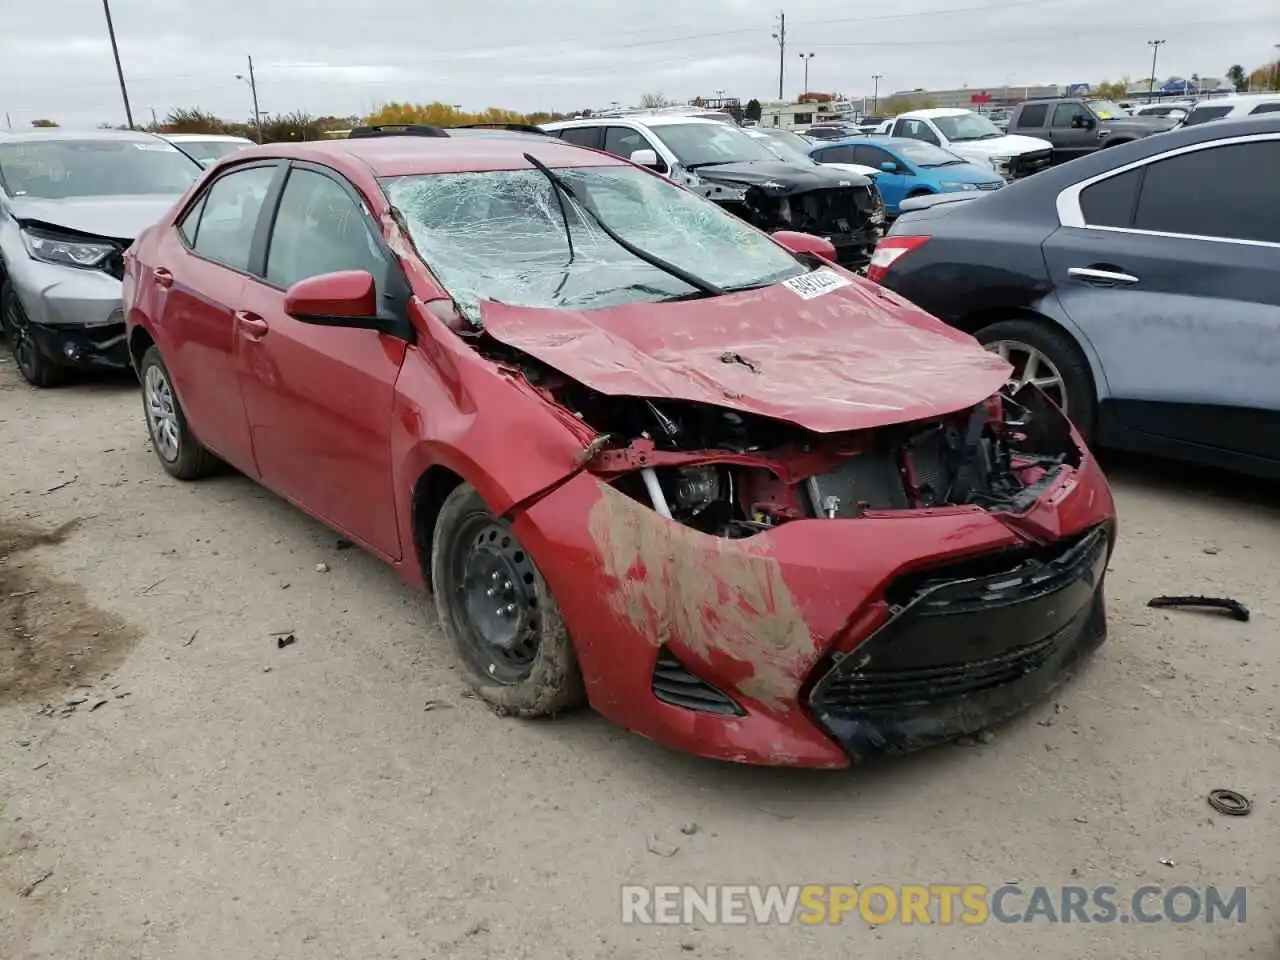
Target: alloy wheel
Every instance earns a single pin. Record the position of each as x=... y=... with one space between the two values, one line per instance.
x=20 y=342
x=1031 y=366
x=162 y=414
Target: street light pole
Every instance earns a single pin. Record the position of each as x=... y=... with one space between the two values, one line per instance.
x=115 y=52
x=781 y=36
x=253 y=88
x=1155 y=52
x=806 y=57
x=875 y=93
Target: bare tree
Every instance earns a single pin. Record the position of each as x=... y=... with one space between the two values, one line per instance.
x=651 y=100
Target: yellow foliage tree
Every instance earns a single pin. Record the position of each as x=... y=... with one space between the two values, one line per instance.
x=438 y=114
x=1266 y=77
x=1107 y=90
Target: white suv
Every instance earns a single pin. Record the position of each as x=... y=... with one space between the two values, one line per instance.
x=1238 y=105
x=741 y=174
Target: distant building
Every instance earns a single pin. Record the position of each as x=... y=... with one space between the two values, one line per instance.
x=799 y=116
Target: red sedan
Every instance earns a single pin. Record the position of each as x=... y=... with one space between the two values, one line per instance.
x=644 y=456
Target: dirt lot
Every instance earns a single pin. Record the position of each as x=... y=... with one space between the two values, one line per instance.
x=174 y=785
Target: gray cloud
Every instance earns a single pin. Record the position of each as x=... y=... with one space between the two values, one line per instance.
x=345 y=58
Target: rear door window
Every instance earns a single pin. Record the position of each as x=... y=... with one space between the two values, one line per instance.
x=1111 y=202
x=835 y=155
x=1265 y=108
x=1204 y=114
x=582 y=136
x=1228 y=191
x=229 y=215
x=1033 y=115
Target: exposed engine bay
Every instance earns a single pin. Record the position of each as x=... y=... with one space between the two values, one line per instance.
x=735 y=474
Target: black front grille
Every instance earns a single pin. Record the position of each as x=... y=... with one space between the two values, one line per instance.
x=871 y=689
x=1029 y=163
x=675 y=685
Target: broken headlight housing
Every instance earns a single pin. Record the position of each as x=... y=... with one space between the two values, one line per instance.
x=65 y=251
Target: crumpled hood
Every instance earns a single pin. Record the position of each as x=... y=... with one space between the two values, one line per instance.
x=116 y=218
x=777 y=178
x=850 y=358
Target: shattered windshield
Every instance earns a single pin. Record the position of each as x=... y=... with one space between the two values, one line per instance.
x=501 y=236
x=705 y=144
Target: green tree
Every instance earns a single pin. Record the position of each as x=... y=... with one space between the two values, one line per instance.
x=754 y=110
x=1107 y=90
x=1235 y=73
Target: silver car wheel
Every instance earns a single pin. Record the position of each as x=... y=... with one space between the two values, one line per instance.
x=1031 y=366
x=162 y=414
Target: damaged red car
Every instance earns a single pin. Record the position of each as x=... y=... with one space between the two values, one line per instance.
x=645 y=456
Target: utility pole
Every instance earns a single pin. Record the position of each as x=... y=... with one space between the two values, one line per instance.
x=155 y=124
x=806 y=57
x=1155 y=52
x=253 y=88
x=875 y=94
x=115 y=52
x=781 y=37
x=1275 y=70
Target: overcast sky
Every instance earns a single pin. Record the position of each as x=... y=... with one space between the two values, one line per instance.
x=326 y=57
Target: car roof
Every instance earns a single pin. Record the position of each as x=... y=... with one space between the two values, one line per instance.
x=204 y=138
x=864 y=140
x=1234 y=98
x=935 y=112
x=398 y=156
x=652 y=120
x=58 y=133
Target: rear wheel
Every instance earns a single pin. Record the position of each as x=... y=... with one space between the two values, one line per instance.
x=36 y=368
x=1044 y=355
x=499 y=614
x=176 y=447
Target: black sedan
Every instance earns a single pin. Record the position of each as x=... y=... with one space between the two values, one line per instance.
x=1138 y=286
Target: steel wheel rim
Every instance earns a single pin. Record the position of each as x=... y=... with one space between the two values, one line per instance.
x=162 y=414
x=1031 y=366
x=495 y=593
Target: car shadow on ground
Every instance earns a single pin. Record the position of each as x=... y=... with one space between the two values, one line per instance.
x=1178 y=478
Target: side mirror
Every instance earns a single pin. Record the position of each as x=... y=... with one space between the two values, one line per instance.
x=1083 y=121
x=348 y=298
x=888 y=166
x=645 y=158
x=798 y=242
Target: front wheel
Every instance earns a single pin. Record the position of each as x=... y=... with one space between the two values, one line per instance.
x=1044 y=355
x=176 y=447
x=499 y=614
x=37 y=369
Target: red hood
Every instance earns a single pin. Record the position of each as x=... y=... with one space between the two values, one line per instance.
x=850 y=359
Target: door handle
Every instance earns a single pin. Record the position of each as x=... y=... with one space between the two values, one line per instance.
x=1102 y=278
x=162 y=277
x=251 y=325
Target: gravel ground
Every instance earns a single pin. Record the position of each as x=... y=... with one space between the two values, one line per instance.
x=173 y=784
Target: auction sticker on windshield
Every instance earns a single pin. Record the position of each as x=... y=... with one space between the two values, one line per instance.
x=816 y=284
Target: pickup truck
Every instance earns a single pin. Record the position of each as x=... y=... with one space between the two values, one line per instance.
x=1077 y=127
x=973 y=137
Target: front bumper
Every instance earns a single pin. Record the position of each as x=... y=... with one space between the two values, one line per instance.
x=75 y=316
x=717 y=647
x=967 y=651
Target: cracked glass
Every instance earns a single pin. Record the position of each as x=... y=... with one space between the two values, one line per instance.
x=501 y=236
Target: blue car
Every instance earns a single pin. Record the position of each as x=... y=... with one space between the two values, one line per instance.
x=911 y=168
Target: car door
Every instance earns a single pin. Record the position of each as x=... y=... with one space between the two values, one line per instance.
x=1071 y=141
x=1171 y=268
x=319 y=399
x=201 y=269
x=893 y=186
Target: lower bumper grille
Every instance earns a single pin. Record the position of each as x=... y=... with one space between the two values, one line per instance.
x=966 y=651
x=1030 y=163
x=674 y=684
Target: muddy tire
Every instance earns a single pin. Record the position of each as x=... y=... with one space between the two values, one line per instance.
x=37 y=369
x=1059 y=359
x=499 y=614
x=176 y=447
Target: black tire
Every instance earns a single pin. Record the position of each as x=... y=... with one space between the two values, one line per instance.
x=36 y=368
x=190 y=460
x=518 y=656
x=1081 y=398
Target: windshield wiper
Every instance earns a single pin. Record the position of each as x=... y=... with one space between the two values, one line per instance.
x=704 y=286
